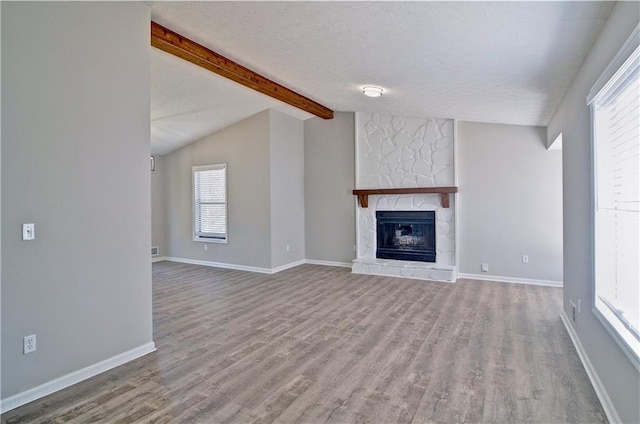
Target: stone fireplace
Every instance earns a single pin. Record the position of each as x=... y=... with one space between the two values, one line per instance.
x=395 y=152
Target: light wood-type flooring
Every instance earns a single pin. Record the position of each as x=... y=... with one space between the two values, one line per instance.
x=318 y=344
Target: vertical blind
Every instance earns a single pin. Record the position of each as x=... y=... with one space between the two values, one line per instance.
x=210 y=194
x=616 y=115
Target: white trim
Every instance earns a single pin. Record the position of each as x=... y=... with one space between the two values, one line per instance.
x=617 y=337
x=614 y=66
x=158 y=259
x=618 y=66
x=211 y=240
x=515 y=280
x=75 y=377
x=328 y=263
x=601 y=392
x=220 y=265
x=254 y=268
x=203 y=168
x=237 y=267
x=288 y=266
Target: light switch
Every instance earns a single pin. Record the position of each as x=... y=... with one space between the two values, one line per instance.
x=28 y=231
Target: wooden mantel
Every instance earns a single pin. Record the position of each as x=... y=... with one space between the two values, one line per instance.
x=444 y=192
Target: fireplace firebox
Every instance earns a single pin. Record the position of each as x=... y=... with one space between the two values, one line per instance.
x=406 y=235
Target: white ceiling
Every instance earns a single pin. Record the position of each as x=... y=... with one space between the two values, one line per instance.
x=189 y=102
x=506 y=62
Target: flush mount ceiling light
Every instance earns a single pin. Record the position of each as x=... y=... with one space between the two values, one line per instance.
x=372 y=91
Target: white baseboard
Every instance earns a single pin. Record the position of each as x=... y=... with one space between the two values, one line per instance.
x=328 y=263
x=515 y=280
x=236 y=267
x=75 y=377
x=158 y=259
x=220 y=265
x=254 y=268
x=288 y=266
x=601 y=392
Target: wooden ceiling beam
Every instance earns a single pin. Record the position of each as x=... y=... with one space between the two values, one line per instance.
x=178 y=45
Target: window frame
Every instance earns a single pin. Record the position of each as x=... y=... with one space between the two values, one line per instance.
x=194 y=203
x=610 y=76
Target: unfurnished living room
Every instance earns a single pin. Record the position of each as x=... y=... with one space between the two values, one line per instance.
x=320 y=212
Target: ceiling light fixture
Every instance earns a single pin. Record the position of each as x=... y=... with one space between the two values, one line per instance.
x=372 y=91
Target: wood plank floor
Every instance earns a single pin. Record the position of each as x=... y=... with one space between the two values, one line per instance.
x=318 y=344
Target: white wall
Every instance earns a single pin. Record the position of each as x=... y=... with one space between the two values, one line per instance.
x=620 y=378
x=244 y=147
x=0 y=192
x=75 y=161
x=287 y=189
x=329 y=178
x=510 y=201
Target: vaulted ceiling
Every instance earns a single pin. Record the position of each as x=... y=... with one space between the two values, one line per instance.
x=505 y=62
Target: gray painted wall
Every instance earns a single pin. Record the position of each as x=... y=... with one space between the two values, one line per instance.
x=329 y=178
x=287 y=189
x=75 y=161
x=158 y=206
x=244 y=147
x=0 y=194
x=510 y=201
x=619 y=376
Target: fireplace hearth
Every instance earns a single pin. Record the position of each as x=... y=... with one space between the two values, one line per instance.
x=406 y=235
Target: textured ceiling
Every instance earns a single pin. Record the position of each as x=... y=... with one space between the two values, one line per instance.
x=189 y=102
x=506 y=62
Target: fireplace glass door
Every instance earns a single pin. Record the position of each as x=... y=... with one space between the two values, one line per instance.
x=406 y=235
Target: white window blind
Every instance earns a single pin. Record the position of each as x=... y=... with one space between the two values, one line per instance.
x=210 y=202
x=616 y=134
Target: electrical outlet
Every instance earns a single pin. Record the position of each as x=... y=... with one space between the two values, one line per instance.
x=28 y=231
x=206 y=246
x=525 y=259
x=29 y=344
x=579 y=306
x=288 y=248
x=484 y=267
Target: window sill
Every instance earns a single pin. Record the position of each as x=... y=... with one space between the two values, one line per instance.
x=211 y=240
x=620 y=341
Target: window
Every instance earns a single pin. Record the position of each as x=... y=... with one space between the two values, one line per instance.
x=210 y=203
x=615 y=109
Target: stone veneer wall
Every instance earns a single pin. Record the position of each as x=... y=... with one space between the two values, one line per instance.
x=400 y=152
